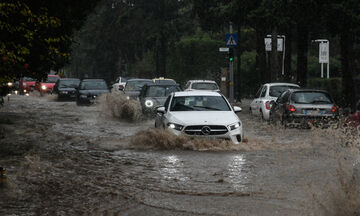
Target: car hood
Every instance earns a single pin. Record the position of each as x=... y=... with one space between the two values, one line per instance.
x=93 y=92
x=204 y=117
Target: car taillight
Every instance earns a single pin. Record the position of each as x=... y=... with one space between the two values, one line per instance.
x=291 y=108
x=267 y=105
x=334 y=109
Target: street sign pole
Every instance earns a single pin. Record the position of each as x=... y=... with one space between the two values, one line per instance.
x=324 y=55
x=231 y=73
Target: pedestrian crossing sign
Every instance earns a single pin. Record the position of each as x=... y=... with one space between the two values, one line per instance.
x=231 y=40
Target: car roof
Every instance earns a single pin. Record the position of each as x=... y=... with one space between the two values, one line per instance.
x=280 y=83
x=161 y=84
x=69 y=79
x=208 y=81
x=196 y=93
x=91 y=80
x=307 y=90
x=139 y=80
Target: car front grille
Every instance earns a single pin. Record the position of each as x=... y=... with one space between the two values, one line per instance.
x=205 y=130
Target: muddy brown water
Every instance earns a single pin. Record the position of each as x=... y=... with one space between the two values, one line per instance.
x=64 y=159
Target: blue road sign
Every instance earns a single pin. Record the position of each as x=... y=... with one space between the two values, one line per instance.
x=231 y=40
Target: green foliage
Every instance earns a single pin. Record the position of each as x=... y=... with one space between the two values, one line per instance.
x=196 y=57
x=250 y=79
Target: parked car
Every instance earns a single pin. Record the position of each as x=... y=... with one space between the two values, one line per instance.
x=260 y=106
x=66 y=88
x=353 y=119
x=200 y=113
x=119 y=84
x=89 y=89
x=133 y=87
x=26 y=84
x=48 y=85
x=302 y=107
x=162 y=80
x=208 y=85
x=154 y=95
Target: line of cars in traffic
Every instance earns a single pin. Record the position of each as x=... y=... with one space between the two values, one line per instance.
x=201 y=110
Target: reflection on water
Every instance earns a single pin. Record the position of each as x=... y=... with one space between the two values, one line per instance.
x=237 y=176
x=172 y=169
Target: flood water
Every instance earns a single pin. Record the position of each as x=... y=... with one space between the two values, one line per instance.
x=63 y=159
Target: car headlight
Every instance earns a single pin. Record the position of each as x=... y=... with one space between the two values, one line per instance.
x=127 y=97
x=235 y=126
x=24 y=90
x=10 y=84
x=175 y=126
x=149 y=103
x=43 y=87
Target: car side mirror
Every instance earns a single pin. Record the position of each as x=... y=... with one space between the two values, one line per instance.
x=160 y=110
x=237 y=109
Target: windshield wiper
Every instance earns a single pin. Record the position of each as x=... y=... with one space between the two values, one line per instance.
x=206 y=107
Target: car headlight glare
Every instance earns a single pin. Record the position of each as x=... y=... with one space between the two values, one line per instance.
x=175 y=126
x=43 y=87
x=235 y=126
x=127 y=97
x=149 y=103
x=10 y=84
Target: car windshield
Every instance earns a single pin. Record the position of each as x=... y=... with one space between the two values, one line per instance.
x=199 y=103
x=52 y=79
x=93 y=85
x=161 y=91
x=28 y=79
x=205 y=86
x=69 y=83
x=276 y=91
x=136 y=85
x=311 y=98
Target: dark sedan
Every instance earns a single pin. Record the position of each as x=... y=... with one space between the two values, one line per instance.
x=303 y=108
x=154 y=95
x=133 y=87
x=66 y=88
x=89 y=89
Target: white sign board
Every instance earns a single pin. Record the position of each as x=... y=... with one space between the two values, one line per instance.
x=323 y=52
x=224 y=49
x=280 y=44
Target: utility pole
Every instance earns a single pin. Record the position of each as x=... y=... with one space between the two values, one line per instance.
x=231 y=72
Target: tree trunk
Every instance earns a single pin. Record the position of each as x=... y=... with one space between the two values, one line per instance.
x=260 y=54
x=302 y=52
x=288 y=50
x=347 y=68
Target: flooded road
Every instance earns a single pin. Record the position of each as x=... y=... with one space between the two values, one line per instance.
x=64 y=159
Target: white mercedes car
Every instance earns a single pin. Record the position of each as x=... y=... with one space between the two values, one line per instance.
x=201 y=114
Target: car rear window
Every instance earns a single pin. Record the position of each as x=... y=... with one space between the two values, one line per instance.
x=276 y=91
x=311 y=97
x=205 y=86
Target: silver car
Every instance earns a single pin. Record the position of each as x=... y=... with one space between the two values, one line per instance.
x=304 y=107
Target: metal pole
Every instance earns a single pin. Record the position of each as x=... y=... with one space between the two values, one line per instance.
x=283 y=63
x=328 y=64
x=231 y=74
x=322 y=70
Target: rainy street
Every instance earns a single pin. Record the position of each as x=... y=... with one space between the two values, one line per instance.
x=63 y=159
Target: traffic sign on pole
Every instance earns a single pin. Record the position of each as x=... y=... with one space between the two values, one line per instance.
x=231 y=40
